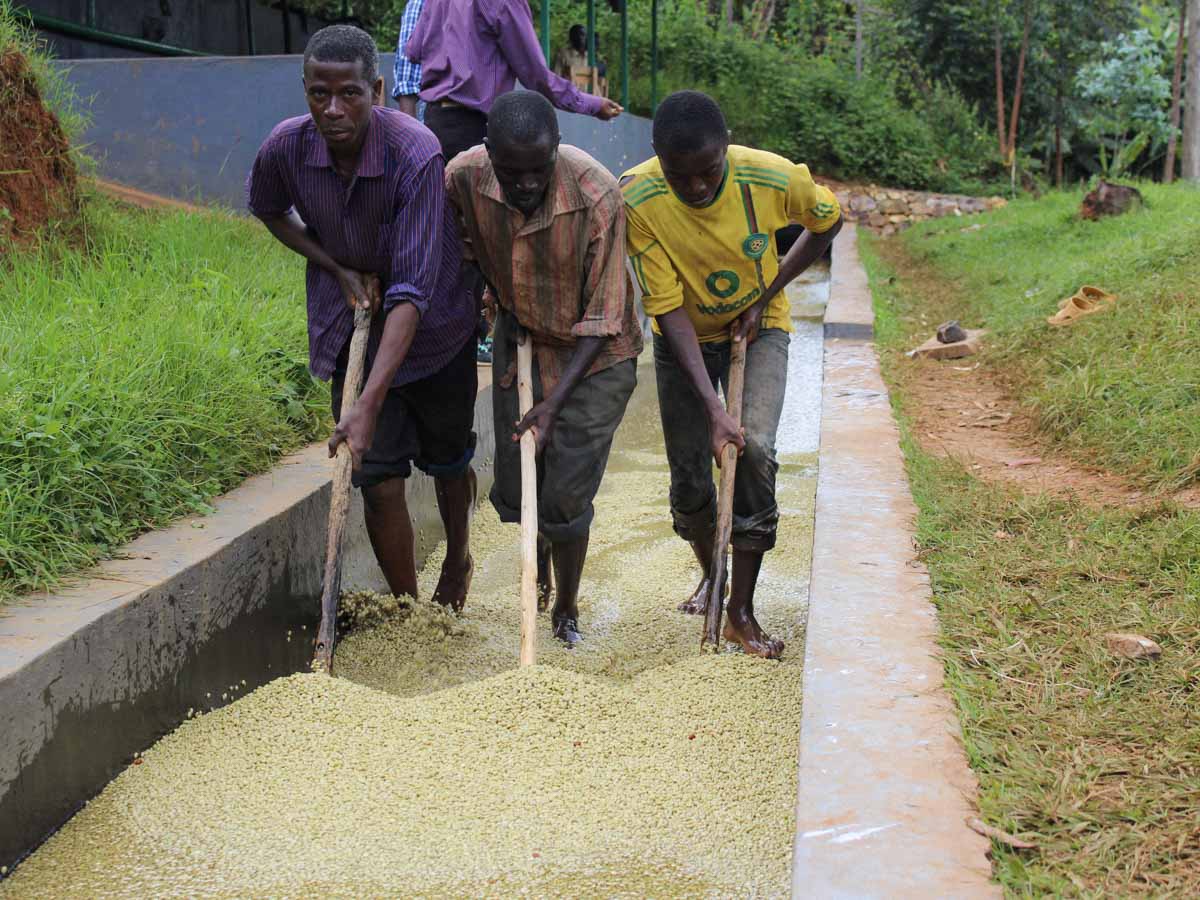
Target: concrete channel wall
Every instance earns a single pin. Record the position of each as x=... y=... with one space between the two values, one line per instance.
x=190 y=617
x=189 y=128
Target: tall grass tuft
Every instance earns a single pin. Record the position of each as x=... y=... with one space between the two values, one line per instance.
x=140 y=376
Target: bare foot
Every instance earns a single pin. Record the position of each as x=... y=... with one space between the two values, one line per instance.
x=453 y=585
x=696 y=604
x=751 y=638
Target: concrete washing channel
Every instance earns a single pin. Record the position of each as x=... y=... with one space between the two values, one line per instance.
x=634 y=766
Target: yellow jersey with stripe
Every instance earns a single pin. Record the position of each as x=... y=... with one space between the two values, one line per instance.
x=716 y=260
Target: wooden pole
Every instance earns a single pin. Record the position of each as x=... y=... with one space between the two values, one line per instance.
x=729 y=457
x=339 y=500
x=529 y=511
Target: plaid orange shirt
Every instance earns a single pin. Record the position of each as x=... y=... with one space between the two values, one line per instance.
x=562 y=271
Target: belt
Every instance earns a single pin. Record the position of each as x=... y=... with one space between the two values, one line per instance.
x=449 y=103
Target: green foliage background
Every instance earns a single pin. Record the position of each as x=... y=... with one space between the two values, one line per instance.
x=921 y=113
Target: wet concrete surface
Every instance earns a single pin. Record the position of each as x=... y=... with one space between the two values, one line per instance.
x=633 y=765
x=884 y=785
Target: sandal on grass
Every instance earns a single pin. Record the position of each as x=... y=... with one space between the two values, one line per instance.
x=1084 y=302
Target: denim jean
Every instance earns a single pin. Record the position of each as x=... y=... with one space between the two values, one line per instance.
x=687 y=435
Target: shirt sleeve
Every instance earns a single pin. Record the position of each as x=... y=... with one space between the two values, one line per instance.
x=812 y=205
x=605 y=283
x=662 y=290
x=407 y=73
x=513 y=25
x=458 y=192
x=417 y=238
x=267 y=195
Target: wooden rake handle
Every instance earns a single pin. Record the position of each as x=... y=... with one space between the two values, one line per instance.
x=729 y=458
x=529 y=509
x=339 y=500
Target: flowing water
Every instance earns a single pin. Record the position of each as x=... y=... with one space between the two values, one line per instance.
x=633 y=765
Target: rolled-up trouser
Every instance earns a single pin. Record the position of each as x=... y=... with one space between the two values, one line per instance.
x=687 y=435
x=426 y=423
x=572 y=464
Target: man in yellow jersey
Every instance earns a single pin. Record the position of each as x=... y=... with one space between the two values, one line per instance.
x=701 y=218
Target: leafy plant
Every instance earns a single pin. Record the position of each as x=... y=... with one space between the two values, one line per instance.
x=1126 y=97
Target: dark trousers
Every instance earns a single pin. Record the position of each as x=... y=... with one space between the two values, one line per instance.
x=456 y=128
x=572 y=465
x=689 y=454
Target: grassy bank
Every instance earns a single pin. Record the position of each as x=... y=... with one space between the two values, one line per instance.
x=140 y=375
x=1096 y=759
x=1120 y=391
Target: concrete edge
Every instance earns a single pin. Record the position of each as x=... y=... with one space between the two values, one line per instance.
x=884 y=786
x=188 y=617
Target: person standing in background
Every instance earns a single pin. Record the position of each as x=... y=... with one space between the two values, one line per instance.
x=472 y=51
x=574 y=55
x=407 y=73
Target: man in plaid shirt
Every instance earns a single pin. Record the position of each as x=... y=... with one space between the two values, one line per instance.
x=408 y=73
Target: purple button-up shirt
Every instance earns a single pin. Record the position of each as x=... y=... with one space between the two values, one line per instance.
x=472 y=51
x=392 y=219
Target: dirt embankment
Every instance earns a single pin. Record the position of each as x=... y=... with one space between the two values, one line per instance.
x=38 y=181
x=965 y=410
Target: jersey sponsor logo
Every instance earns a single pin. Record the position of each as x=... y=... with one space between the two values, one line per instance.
x=723 y=283
x=756 y=245
x=720 y=309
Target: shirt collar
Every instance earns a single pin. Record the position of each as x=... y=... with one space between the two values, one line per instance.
x=370 y=163
x=563 y=195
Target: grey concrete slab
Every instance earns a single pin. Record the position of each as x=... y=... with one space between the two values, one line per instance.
x=187 y=617
x=884 y=787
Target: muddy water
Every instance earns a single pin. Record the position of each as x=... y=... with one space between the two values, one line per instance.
x=432 y=766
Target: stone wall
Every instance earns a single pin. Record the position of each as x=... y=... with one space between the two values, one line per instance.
x=888 y=210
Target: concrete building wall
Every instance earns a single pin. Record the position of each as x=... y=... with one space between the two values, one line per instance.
x=189 y=128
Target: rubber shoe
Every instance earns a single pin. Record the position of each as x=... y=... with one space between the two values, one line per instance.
x=1084 y=302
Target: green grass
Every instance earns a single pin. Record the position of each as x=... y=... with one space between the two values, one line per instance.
x=1095 y=758
x=140 y=375
x=1120 y=390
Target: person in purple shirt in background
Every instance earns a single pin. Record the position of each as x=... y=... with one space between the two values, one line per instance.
x=472 y=51
x=359 y=191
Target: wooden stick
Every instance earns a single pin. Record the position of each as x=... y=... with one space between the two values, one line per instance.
x=529 y=511
x=339 y=500
x=729 y=457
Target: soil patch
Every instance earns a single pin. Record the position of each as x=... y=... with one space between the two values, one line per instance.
x=38 y=182
x=963 y=409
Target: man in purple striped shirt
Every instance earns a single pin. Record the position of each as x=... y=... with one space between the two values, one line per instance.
x=359 y=191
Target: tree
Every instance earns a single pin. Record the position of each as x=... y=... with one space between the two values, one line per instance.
x=1176 y=85
x=1127 y=97
x=1191 y=123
